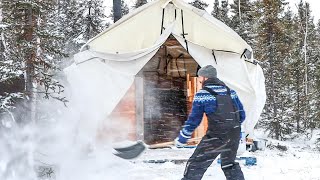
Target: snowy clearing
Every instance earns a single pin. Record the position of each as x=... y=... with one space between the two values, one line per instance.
x=301 y=161
x=298 y=163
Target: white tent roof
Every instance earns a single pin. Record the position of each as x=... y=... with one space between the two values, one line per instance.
x=142 y=28
x=108 y=63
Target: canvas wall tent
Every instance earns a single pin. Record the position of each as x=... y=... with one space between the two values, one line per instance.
x=112 y=59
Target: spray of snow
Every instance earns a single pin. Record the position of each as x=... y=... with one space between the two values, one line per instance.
x=63 y=145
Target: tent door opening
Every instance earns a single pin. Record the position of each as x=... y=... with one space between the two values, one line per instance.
x=158 y=103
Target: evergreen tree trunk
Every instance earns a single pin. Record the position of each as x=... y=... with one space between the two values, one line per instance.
x=273 y=94
x=239 y=4
x=1 y=47
x=30 y=23
x=89 y=20
x=298 y=103
x=306 y=119
x=116 y=10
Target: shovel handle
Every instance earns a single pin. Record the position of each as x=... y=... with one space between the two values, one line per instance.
x=161 y=145
x=170 y=143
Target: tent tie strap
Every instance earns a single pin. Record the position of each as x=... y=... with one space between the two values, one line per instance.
x=175 y=14
x=214 y=56
x=252 y=62
x=183 y=33
x=162 y=20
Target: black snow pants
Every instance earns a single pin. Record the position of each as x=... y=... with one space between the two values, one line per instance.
x=222 y=138
x=211 y=145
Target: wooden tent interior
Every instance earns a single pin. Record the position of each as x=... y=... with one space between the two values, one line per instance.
x=159 y=101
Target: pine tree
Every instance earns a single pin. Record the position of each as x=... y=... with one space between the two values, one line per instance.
x=286 y=50
x=199 y=4
x=70 y=26
x=140 y=3
x=222 y=12
x=32 y=46
x=242 y=22
x=91 y=14
x=79 y=21
x=216 y=9
x=288 y=58
x=8 y=73
x=271 y=33
x=225 y=12
x=310 y=59
x=124 y=8
x=303 y=75
x=317 y=79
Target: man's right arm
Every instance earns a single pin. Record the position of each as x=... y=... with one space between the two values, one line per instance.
x=194 y=119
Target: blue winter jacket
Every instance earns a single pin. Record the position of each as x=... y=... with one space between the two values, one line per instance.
x=204 y=102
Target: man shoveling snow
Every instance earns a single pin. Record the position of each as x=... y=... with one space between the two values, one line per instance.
x=225 y=114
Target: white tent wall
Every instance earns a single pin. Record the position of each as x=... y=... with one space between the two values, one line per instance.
x=257 y=80
x=107 y=69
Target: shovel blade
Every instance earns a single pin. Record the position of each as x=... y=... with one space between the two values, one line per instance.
x=130 y=152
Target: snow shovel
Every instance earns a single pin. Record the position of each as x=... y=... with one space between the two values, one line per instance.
x=133 y=151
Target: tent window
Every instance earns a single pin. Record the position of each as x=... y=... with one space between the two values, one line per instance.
x=247 y=54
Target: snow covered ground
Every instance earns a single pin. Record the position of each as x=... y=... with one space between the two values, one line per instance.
x=301 y=161
x=296 y=164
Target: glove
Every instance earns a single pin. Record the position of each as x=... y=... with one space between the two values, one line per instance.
x=179 y=144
